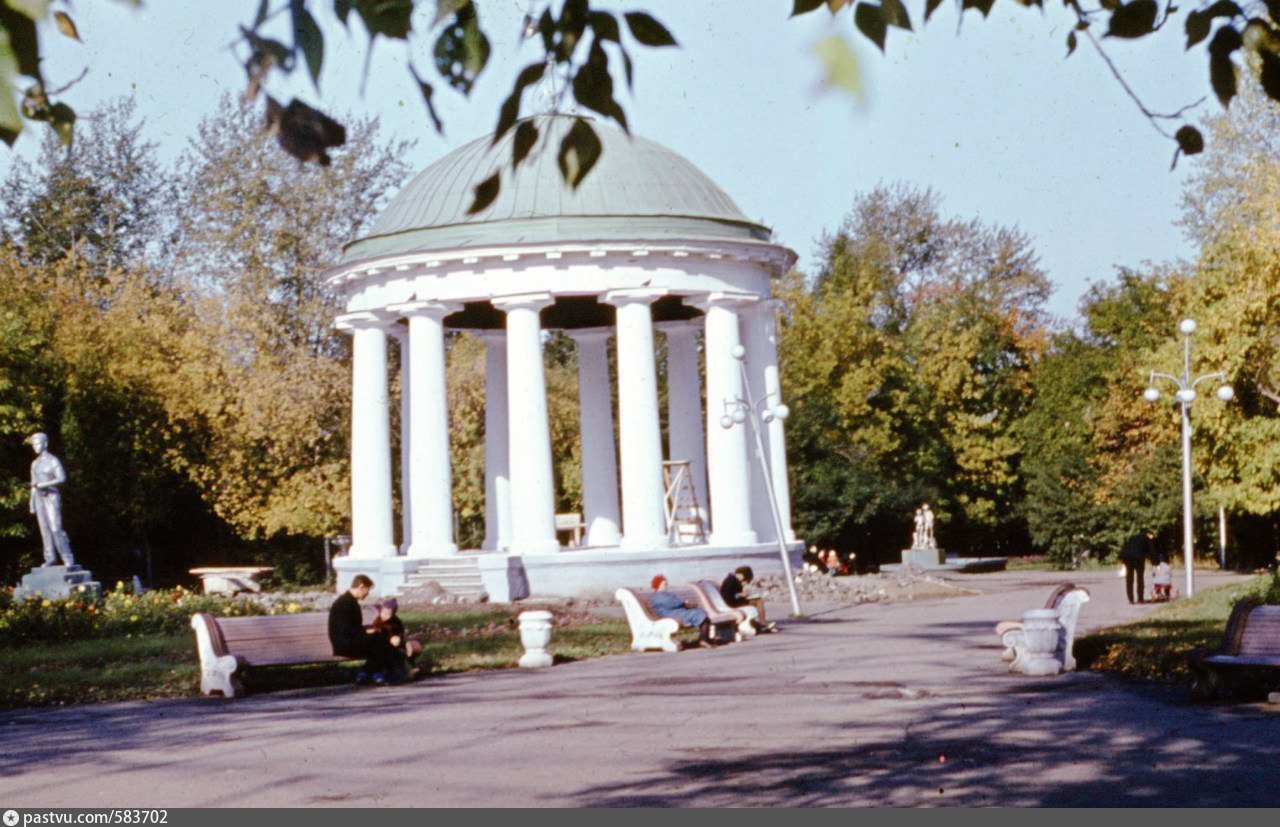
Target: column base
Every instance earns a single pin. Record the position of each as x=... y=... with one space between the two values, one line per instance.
x=739 y=538
x=432 y=550
x=535 y=547
x=652 y=542
x=374 y=552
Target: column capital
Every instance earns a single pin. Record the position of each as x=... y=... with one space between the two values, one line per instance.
x=424 y=308
x=689 y=326
x=730 y=300
x=635 y=295
x=364 y=320
x=589 y=334
x=529 y=301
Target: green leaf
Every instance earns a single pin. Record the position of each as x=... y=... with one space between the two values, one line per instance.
x=870 y=21
x=626 y=67
x=648 y=31
x=526 y=137
x=1222 y=71
x=33 y=10
x=1273 y=10
x=983 y=6
x=840 y=64
x=605 y=26
x=1197 y=27
x=1269 y=76
x=1190 y=140
x=485 y=192
x=593 y=86
x=261 y=16
x=579 y=151
x=895 y=14
x=1071 y=43
x=428 y=92
x=805 y=6
x=63 y=120
x=461 y=53
x=10 y=118
x=307 y=37
x=23 y=44
x=386 y=17
x=930 y=7
x=342 y=8
x=510 y=110
x=1136 y=19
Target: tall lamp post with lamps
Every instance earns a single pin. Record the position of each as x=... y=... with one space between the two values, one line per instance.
x=1186 y=394
x=740 y=411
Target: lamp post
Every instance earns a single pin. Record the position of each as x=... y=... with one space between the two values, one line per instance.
x=739 y=411
x=1186 y=394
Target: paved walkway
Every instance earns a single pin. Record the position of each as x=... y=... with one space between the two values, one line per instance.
x=902 y=704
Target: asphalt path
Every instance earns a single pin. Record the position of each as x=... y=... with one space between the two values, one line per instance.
x=881 y=704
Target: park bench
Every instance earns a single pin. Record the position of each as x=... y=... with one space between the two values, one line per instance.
x=228 y=645
x=1066 y=600
x=720 y=612
x=648 y=631
x=1247 y=659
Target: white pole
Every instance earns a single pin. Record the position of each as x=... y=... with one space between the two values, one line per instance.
x=1222 y=536
x=1187 y=549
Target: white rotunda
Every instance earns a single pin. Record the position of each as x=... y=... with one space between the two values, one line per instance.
x=647 y=246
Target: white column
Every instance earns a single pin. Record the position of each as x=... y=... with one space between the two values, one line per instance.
x=430 y=497
x=497 y=466
x=684 y=406
x=728 y=471
x=599 y=453
x=401 y=335
x=777 y=442
x=752 y=332
x=644 y=519
x=533 y=517
x=371 y=520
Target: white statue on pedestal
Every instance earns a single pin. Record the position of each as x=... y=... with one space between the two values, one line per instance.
x=46 y=503
x=927 y=534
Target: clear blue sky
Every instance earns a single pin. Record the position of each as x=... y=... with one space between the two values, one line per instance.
x=986 y=112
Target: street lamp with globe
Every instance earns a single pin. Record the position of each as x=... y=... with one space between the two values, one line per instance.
x=1185 y=395
x=739 y=411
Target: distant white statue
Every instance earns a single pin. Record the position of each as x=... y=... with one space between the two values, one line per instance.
x=46 y=502
x=923 y=537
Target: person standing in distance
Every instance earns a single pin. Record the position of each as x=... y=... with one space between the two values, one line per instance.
x=46 y=502
x=1134 y=554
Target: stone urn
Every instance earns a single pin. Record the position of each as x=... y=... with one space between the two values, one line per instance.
x=1041 y=629
x=535 y=635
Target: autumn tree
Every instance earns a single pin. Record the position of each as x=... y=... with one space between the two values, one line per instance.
x=907 y=360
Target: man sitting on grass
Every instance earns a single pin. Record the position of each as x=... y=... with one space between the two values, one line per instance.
x=666 y=604
x=350 y=638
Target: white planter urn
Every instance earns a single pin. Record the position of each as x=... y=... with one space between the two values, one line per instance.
x=1041 y=629
x=535 y=635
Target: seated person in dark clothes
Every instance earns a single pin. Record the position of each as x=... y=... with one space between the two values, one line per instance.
x=350 y=638
x=389 y=626
x=732 y=591
x=666 y=604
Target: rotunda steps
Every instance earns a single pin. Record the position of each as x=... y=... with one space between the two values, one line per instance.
x=458 y=577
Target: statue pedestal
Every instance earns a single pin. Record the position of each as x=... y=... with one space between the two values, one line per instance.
x=925 y=558
x=57 y=582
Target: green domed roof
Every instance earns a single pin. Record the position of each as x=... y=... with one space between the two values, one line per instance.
x=638 y=191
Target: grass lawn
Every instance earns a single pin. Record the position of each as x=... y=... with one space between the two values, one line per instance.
x=144 y=667
x=1156 y=647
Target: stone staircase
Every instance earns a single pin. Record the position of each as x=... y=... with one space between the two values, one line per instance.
x=459 y=577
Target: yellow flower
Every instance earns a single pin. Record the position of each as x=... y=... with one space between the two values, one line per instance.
x=133 y=618
x=46 y=604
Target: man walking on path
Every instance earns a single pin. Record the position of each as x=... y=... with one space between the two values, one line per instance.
x=1135 y=553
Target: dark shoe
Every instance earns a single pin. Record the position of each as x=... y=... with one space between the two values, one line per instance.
x=379 y=679
x=362 y=678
